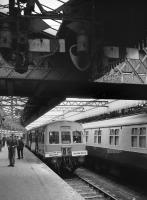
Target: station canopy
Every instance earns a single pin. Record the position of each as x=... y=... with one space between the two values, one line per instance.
x=75 y=109
x=72 y=109
x=10 y=111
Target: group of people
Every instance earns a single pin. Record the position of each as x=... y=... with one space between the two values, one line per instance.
x=14 y=142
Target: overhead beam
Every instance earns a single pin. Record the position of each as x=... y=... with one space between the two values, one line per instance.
x=54 y=92
x=31 y=114
x=79 y=89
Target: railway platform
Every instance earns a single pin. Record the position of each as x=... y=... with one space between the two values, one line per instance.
x=31 y=179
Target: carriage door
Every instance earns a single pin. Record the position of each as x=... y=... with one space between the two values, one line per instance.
x=66 y=140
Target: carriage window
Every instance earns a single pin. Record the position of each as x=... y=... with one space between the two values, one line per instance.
x=97 y=136
x=138 y=137
x=86 y=134
x=134 y=137
x=142 y=137
x=65 y=137
x=54 y=137
x=42 y=137
x=111 y=138
x=114 y=137
x=77 y=136
x=32 y=136
x=134 y=141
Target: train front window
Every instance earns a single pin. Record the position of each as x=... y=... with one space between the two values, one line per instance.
x=65 y=137
x=54 y=137
x=77 y=136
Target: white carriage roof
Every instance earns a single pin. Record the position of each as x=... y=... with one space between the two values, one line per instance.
x=118 y=122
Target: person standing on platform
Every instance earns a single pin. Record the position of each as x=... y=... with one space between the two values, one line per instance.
x=4 y=140
x=12 y=143
x=20 y=146
x=0 y=144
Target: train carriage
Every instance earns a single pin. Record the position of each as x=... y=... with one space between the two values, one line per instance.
x=118 y=143
x=61 y=143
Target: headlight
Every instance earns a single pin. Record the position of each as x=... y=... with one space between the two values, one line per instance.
x=54 y=160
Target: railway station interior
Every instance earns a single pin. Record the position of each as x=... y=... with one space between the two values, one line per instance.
x=73 y=90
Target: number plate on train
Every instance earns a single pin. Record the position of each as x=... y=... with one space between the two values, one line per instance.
x=52 y=154
x=79 y=153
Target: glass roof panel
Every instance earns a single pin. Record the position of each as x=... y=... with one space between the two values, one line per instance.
x=48 y=5
x=51 y=31
x=36 y=9
x=52 y=23
x=51 y=3
x=4 y=4
x=65 y=1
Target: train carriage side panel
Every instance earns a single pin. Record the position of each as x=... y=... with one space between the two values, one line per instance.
x=123 y=153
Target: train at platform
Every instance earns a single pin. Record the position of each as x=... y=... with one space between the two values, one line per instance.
x=60 y=143
x=117 y=145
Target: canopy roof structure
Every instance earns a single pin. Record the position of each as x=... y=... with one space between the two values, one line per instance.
x=74 y=109
x=69 y=109
x=42 y=5
x=51 y=5
x=55 y=75
x=10 y=112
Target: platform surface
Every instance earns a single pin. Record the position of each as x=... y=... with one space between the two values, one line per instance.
x=31 y=179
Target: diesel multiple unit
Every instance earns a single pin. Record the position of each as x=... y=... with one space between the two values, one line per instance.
x=60 y=143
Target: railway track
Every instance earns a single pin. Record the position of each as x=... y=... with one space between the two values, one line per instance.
x=89 y=190
x=91 y=187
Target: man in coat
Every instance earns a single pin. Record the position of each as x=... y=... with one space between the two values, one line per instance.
x=12 y=143
x=20 y=146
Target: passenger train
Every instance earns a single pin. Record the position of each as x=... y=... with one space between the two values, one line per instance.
x=60 y=143
x=117 y=144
